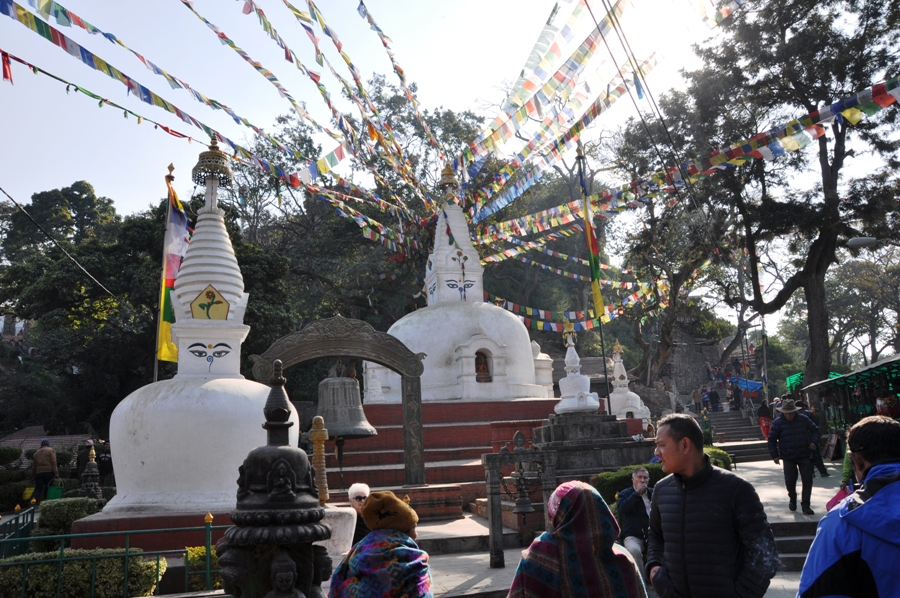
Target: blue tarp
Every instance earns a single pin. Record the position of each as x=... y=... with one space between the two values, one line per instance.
x=751 y=385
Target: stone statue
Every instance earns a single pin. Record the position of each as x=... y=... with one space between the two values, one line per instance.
x=284 y=578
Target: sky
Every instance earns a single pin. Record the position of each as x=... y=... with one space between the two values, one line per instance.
x=459 y=54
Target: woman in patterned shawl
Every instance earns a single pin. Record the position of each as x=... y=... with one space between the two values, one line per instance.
x=578 y=557
x=387 y=562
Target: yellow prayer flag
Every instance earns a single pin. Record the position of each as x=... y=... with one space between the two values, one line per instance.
x=853 y=115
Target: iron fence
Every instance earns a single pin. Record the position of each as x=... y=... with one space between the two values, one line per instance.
x=15 y=535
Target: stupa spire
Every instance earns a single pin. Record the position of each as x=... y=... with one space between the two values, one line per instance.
x=209 y=299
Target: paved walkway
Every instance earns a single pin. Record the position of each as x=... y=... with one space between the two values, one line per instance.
x=469 y=574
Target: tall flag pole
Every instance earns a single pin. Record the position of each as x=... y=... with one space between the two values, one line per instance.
x=594 y=261
x=174 y=247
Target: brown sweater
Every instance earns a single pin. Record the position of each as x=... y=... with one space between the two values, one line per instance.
x=44 y=461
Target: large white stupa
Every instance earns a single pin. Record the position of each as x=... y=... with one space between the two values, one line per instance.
x=474 y=351
x=177 y=444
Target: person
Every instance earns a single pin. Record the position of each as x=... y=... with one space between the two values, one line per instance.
x=708 y=535
x=848 y=476
x=816 y=453
x=105 y=466
x=705 y=394
x=633 y=505
x=578 y=556
x=358 y=494
x=857 y=545
x=791 y=439
x=387 y=562
x=765 y=417
x=697 y=396
x=44 y=469
x=714 y=399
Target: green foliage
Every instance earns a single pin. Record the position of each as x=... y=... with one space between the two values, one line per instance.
x=707 y=438
x=11 y=495
x=76 y=575
x=196 y=563
x=61 y=513
x=609 y=483
x=8 y=454
x=12 y=475
x=718 y=457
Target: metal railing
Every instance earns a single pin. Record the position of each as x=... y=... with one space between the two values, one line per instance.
x=16 y=545
x=19 y=526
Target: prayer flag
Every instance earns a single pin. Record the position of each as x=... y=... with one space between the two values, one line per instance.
x=174 y=248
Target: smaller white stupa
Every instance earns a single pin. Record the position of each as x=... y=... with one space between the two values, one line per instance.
x=622 y=402
x=177 y=444
x=575 y=388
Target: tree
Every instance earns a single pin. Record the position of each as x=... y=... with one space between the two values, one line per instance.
x=784 y=59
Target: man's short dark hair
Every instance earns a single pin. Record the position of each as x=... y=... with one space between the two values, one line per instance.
x=682 y=425
x=875 y=438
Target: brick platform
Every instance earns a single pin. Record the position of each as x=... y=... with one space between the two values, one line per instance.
x=130 y=522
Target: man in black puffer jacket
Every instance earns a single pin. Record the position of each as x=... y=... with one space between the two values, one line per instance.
x=709 y=536
x=791 y=439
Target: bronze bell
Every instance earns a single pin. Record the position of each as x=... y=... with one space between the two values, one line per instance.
x=341 y=408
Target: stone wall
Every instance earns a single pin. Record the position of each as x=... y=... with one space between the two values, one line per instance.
x=684 y=369
x=657 y=400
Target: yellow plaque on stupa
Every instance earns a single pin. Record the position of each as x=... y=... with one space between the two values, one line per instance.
x=210 y=305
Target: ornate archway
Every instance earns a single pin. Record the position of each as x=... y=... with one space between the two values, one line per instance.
x=342 y=337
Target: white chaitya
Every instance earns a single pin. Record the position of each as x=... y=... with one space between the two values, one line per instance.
x=475 y=351
x=177 y=444
x=575 y=387
x=622 y=402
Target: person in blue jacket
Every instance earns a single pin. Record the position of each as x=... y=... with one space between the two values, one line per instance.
x=856 y=552
x=791 y=439
x=633 y=507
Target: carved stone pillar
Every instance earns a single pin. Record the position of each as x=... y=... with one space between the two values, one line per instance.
x=318 y=435
x=413 y=441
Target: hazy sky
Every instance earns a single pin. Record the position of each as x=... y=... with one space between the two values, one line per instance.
x=459 y=53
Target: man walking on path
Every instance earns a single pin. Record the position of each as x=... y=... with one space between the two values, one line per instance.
x=856 y=551
x=633 y=505
x=708 y=536
x=791 y=439
x=43 y=467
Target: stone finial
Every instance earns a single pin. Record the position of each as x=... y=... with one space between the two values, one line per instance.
x=277 y=409
x=568 y=334
x=318 y=435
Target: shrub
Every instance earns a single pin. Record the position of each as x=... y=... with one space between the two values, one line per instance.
x=7 y=476
x=718 y=457
x=196 y=562
x=108 y=492
x=76 y=575
x=609 y=483
x=8 y=454
x=63 y=458
x=60 y=514
x=11 y=495
x=30 y=453
x=707 y=437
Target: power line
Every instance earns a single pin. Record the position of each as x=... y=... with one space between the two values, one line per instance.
x=55 y=242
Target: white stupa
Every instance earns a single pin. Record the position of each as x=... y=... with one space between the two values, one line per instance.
x=177 y=444
x=622 y=402
x=475 y=351
x=575 y=387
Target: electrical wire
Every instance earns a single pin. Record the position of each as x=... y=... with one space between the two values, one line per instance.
x=55 y=242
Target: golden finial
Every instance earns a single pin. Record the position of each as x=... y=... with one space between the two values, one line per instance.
x=406 y=499
x=92 y=455
x=448 y=178
x=34 y=501
x=568 y=334
x=617 y=348
x=213 y=163
x=208 y=518
x=18 y=508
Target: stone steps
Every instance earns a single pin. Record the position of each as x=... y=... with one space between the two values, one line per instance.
x=746 y=452
x=793 y=540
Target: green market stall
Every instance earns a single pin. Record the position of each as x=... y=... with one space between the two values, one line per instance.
x=870 y=390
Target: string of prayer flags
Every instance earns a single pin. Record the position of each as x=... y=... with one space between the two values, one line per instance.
x=385 y=41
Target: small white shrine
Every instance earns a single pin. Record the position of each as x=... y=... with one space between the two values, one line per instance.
x=177 y=444
x=622 y=402
x=475 y=351
x=575 y=387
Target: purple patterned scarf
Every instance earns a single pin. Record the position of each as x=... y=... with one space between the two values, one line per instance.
x=385 y=563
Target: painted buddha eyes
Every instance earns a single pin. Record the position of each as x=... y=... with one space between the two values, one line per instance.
x=209 y=352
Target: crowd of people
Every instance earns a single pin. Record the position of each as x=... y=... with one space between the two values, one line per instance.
x=700 y=532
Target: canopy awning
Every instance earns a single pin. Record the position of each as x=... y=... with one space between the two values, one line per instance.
x=751 y=385
x=889 y=365
x=795 y=381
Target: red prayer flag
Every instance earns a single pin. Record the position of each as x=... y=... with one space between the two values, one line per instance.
x=7 y=68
